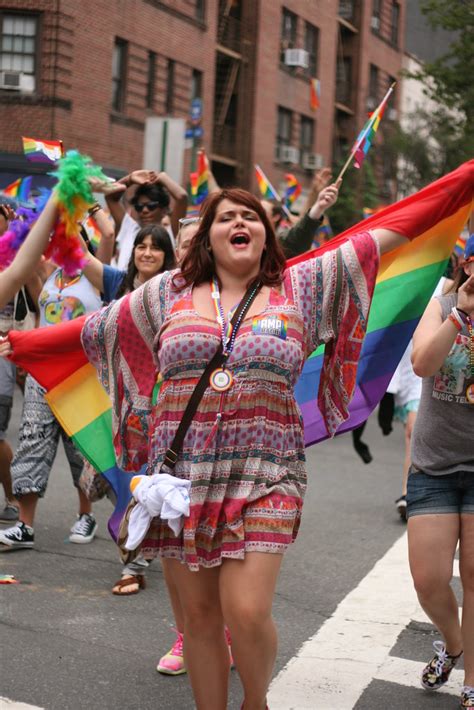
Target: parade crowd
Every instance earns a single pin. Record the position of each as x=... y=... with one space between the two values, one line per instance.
x=205 y=307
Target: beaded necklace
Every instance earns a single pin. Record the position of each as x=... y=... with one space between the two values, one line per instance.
x=470 y=388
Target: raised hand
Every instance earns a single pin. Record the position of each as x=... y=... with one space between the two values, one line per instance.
x=326 y=198
x=143 y=177
x=106 y=187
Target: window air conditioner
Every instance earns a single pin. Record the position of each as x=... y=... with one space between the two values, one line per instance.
x=289 y=154
x=312 y=161
x=10 y=80
x=375 y=23
x=297 y=58
x=17 y=81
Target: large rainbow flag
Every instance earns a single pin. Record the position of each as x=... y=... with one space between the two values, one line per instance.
x=41 y=151
x=432 y=219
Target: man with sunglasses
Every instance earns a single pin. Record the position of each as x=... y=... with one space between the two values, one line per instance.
x=150 y=203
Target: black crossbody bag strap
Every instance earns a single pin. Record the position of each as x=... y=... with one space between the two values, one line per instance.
x=172 y=454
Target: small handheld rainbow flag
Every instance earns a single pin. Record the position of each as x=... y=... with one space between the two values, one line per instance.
x=266 y=188
x=367 y=134
x=42 y=151
x=19 y=189
x=293 y=189
x=314 y=94
x=199 y=180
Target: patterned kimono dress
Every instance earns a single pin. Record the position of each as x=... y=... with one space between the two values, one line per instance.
x=247 y=472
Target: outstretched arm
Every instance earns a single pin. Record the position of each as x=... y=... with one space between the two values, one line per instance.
x=29 y=253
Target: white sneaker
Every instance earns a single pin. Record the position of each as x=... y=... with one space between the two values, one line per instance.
x=84 y=529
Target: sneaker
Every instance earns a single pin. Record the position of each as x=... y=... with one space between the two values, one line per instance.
x=172 y=663
x=401 y=504
x=83 y=529
x=438 y=670
x=17 y=537
x=467 y=696
x=9 y=514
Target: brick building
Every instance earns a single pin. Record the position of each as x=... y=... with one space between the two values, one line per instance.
x=95 y=73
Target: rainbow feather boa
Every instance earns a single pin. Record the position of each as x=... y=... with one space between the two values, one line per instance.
x=73 y=196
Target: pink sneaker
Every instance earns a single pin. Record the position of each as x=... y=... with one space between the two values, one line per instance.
x=172 y=663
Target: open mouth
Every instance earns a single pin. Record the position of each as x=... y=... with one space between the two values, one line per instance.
x=240 y=239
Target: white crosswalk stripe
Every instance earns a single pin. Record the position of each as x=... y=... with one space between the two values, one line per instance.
x=6 y=704
x=352 y=648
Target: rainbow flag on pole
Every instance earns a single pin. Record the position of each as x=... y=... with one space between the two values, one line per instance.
x=432 y=218
x=293 y=189
x=314 y=94
x=41 y=151
x=266 y=188
x=367 y=134
x=19 y=189
x=200 y=180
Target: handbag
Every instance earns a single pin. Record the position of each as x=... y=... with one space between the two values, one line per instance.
x=173 y=452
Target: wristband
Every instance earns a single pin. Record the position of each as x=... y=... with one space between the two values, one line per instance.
x=95 y=208
x=454 y=321
x=461 y=314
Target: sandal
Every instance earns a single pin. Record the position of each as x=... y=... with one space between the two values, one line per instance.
x=136 y=581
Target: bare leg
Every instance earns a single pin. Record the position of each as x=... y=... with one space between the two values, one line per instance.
x=410 y=423
x=432 y=541
x=247 y=588
x=173 y=595
x=6 y=456
x=466 y=566
x=85 y=506
x=27 y=508
x=205 y=648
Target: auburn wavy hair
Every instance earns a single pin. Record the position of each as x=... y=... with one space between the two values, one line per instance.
x=198 y=264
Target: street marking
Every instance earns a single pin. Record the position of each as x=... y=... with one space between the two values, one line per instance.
x=404 y=672
x=12 y=705
x=334 y=667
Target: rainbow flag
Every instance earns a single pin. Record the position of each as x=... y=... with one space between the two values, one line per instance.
x=41 y=151
x=293 y=190
x=460 y=244
x=19 y=189
x=367 y=134
x=199 y=180
x=432 y=218
x=266 y=188
x=314 y=94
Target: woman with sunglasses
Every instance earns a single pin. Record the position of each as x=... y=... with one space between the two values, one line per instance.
x=440 y=496
x=243 y=451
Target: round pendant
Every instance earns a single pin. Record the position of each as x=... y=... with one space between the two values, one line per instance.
x=470 y=394
x=221 y=380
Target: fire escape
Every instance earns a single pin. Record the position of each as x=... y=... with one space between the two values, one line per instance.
x=233 y=93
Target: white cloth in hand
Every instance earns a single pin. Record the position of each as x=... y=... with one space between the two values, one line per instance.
x=158 y=495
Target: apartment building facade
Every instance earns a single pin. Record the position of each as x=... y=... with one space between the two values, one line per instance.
x=96 y=73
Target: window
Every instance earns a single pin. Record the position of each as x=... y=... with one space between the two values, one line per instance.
x=311 y=46
x=347 y=10
x=170 y=87
x=373 y=87
x=285 y=120
x=201 y=10
x=151 y=76
x=119 y=71
x=343 y=80
x=288 y=32
x=376 y=16
x=18 y=44
x=395 y=23
x=196 y=84
x=306 y=135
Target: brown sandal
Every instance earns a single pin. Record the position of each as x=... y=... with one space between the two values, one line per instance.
x=135 y=580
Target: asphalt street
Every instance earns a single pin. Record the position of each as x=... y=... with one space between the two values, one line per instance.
x=67 y=643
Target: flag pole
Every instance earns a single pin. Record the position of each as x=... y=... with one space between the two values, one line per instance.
x=361 y=138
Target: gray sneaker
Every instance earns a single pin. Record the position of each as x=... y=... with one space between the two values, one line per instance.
x=84 y=529
x=9 y=514
x=18 y=537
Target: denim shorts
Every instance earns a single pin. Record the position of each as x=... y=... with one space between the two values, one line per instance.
x=451 y=493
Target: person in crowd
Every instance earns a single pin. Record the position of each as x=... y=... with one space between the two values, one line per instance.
x=244 y=450
x=150 y=205
x=440 y=492
x=298 y=238
x=406 y=389
x=62 y=298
